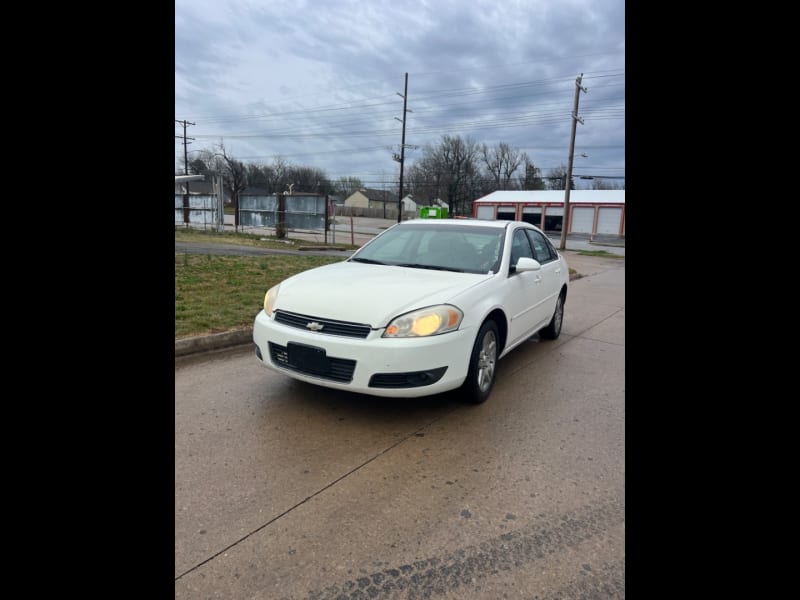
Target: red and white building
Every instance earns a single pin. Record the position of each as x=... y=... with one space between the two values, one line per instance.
x=591 y=211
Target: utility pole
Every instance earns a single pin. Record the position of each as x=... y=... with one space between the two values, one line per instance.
x=568 y=182
x=280 y=222
x=185 y=169
x=402 y=150
x=326 y=219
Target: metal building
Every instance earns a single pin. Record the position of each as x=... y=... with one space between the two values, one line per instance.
x=591 y=211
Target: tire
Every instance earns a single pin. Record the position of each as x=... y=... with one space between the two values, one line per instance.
x=482 y=365
x=553 y=329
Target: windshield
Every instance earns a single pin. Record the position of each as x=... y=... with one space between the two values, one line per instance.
x=452 y=248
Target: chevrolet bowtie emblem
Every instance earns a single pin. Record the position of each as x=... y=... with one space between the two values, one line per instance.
x=314 y=326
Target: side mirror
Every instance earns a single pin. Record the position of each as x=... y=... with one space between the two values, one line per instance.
x=527 y=264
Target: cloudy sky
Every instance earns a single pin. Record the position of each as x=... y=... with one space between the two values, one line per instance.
x=320 y=82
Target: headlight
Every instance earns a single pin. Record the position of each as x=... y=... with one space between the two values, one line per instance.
x=269 y=299
x=424 y=322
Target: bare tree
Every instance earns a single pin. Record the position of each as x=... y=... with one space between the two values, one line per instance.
x=532 y=179
x=501 y=162
x=309 y=179
x=277 y=175
x=208 y=163
x=451 y=169
x=347 y=186
x=197 y=166
x=558 y=178
x=421 y=183
x=256 y=176
x=604 y=184
x=234 y=176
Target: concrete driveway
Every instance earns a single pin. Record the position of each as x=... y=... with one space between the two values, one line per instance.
x=288 y=491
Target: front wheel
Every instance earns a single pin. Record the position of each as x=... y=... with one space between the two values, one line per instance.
x=553 y=329
x=482 y=363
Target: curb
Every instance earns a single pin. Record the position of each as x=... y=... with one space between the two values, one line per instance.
x=609 y=244
x=323 y=248
x=216 y=341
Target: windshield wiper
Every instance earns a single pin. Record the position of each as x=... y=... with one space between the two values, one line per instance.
x=433 y=267
x=368 y=261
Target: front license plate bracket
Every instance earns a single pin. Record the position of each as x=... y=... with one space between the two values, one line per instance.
x=311 y=359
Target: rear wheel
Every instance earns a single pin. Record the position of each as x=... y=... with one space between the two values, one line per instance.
x=480 y=377
x=553 y=329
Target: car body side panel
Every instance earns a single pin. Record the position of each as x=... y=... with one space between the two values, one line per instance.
x=553 y=278
x=524 y=304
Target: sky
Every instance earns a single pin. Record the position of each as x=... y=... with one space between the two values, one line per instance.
x=321 y=83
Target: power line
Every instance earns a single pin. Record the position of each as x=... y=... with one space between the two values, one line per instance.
x=434 y=112
x=463 y=126
x=367 y=102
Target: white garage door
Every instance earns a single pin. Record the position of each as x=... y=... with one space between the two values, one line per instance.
x=485 y=212
x=555 y=211
x=507 y=213
x=582 y=219
x=533 y=215
x=609 y=220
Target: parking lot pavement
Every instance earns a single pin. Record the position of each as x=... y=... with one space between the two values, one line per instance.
x=285 y=490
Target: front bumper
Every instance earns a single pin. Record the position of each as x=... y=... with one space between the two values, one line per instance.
x=397 y=368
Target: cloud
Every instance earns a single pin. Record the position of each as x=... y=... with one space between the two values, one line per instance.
x=318 y=82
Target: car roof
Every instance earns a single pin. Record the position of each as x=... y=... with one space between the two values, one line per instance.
x=463 y=222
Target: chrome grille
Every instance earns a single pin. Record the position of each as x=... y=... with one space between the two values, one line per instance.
x=329 y=326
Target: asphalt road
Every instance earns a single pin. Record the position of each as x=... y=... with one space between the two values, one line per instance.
x=288 y=491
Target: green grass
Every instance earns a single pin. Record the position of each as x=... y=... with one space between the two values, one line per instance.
x=601 y=253
x=219 y=293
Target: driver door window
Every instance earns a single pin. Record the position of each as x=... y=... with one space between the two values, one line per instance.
x=520 y=248
x=541 y=249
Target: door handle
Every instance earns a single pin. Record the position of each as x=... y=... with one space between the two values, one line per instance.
x=537 y=279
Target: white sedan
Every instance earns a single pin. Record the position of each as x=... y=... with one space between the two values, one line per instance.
x=427 y=306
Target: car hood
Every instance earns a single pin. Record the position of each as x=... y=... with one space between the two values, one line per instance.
x=370 y=294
